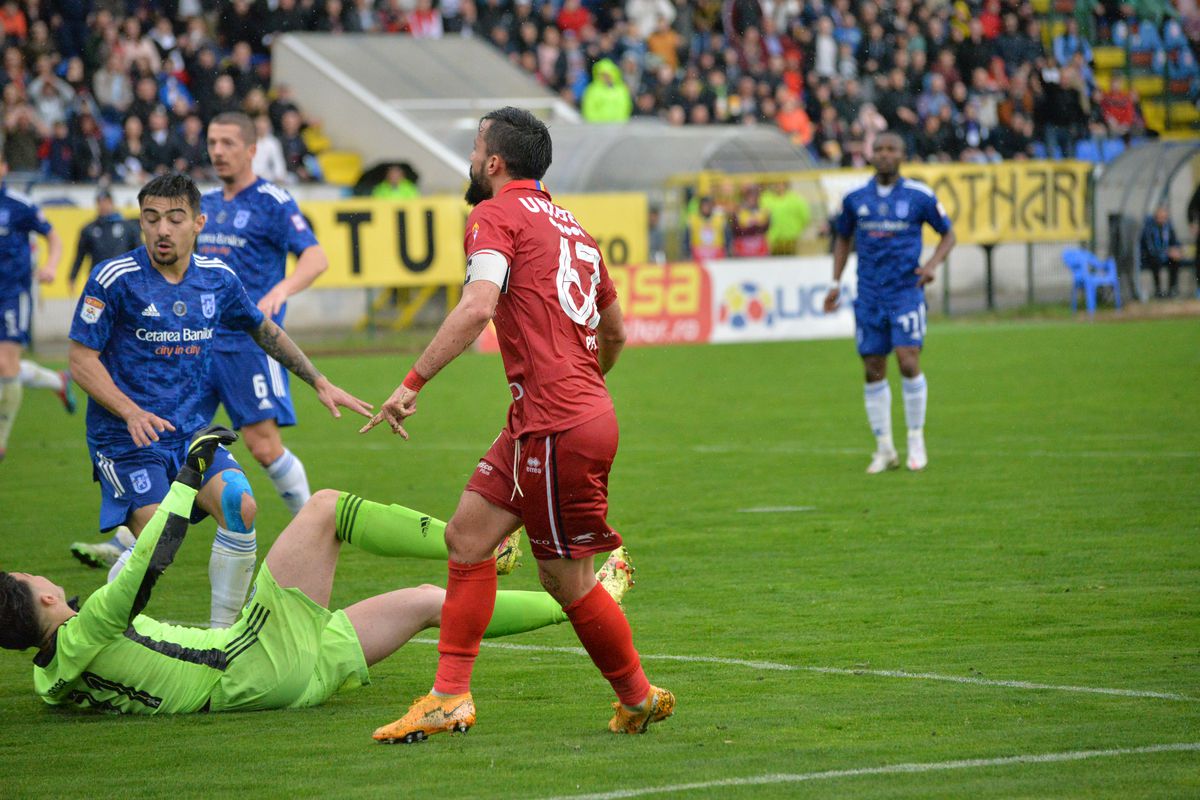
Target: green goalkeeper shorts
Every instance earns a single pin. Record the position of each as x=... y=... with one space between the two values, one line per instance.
x=286 y=651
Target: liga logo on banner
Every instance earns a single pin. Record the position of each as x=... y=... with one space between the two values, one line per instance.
x=778 y=299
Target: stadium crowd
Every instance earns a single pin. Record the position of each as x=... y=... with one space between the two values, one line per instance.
x=96 y=90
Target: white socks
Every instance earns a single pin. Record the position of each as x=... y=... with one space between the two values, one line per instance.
x=10 y=403
x=230 y=570
x=915 y=396
x=291 y=482
x=877 y=397
x=35 y=376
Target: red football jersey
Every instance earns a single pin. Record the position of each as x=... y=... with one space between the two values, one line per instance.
x=548 y=311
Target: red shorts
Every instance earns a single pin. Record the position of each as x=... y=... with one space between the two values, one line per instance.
x=563 y=478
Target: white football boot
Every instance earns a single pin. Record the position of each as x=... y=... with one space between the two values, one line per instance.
x=882 y=461
x=917 y=458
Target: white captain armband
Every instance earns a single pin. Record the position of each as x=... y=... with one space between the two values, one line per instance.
x=488 y=265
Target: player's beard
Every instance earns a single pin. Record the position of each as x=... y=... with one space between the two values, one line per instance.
x=164 y=261
x=477 y=190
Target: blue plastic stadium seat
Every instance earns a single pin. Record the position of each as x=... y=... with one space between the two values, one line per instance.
x=1089 y=272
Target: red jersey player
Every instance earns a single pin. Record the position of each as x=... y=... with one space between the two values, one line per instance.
x=533 y=270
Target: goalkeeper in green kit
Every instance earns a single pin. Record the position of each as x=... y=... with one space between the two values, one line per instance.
x=287 y=650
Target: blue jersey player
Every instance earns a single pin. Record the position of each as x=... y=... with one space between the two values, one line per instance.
x=252 y=226
x=885 y=219
x=142 y=342
x=19 y=218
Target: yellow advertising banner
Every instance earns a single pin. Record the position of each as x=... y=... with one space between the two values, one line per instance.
x=381 y=243
x=1016 y=201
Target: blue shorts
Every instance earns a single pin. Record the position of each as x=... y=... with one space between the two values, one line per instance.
x=253 y=387
x=14 y=317
x=143 y=477
x=887 y=323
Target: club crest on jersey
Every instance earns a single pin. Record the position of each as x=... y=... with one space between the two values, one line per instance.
x=140 y=481
x=91 y=309
x=208 y=305
x=241 y=218
x=902 y=209
x=180 y=308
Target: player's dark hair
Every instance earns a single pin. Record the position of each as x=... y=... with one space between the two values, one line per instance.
x=521 y=139
x=242 y=121
x=19 y=628
x=172 y=185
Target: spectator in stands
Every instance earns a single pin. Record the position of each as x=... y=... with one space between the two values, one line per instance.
x=287 y=17
x=193 y=149
x=145 y=100
x=1069 y=42
x=1160 y=248
x=242 y=21
x=1193 y=215
x=606 y=98
x=896 y=105
x=425 y=22
x=707 y=231
x=1013 y=139
x=748 y=226
x=51 y=95
x=295 y=151
x=224 y=98
x=1119 y=107
x=268 y=162
x=790 y=215
x=23 y=134
x=399 y=183
x=574 y=17
x=129 y=157
x=89 y=155
x=55 y=154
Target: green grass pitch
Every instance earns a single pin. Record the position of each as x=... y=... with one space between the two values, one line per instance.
x=1052 y=541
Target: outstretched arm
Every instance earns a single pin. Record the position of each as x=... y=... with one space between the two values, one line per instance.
x=279 y=346
x=461 y=327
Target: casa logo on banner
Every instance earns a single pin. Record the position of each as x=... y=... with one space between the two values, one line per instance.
x=665 y=303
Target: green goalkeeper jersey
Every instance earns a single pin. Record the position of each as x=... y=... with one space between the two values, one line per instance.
x=110 y=657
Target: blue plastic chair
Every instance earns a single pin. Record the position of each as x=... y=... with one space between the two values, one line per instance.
x=1089 y=272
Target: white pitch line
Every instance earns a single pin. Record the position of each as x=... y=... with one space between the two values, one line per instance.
x=775 y=509
x=875 y=673
x=890 y=769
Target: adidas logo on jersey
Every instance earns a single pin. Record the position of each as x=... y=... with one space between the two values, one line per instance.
x=150 y=311
x=863 y=211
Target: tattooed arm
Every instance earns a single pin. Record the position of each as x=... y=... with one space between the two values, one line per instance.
x=279 y=346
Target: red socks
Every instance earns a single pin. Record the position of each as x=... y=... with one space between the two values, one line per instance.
x=470 y=600
x=605 y=634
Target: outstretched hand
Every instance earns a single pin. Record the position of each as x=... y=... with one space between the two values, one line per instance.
x=334 y=397
x=399 y=407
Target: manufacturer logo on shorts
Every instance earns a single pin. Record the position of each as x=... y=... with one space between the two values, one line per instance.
x=208 y=305
x=140 y=481
x=150 y=311
x=264 y=404
x=533 y=465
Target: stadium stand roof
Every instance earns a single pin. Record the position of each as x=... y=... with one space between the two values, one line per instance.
x=399 y=98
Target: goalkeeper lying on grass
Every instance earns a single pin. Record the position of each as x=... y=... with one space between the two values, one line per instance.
x=287 y=650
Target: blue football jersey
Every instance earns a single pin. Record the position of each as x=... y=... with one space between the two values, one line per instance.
x=156 y=339
x=253 y=233
x=886 y=223
x=18 y=218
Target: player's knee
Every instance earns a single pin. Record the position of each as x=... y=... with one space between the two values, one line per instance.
x=264 y=449
x=323 y=504
x=237 y=502
x=432 y=599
